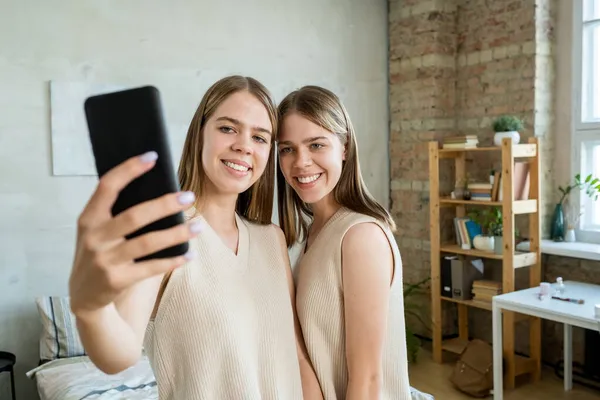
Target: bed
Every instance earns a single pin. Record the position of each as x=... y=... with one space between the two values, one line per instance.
x=76 y=378
x=66 y=373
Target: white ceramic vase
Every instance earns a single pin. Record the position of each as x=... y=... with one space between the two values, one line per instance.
x=570 y=236
x=514 y=135
x=483 y=243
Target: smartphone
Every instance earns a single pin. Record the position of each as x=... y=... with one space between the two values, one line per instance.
x=128 y=123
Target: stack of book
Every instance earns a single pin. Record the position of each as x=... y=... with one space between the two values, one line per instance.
x=484 y=290
x=480 y=191
x=460 y=142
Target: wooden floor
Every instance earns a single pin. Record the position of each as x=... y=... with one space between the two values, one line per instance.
x=433 y=378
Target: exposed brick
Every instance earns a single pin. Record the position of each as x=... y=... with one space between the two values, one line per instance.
x=454 y=67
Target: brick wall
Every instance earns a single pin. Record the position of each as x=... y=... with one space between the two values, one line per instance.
x=454 y=66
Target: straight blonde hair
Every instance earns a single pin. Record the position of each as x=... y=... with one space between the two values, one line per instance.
x=256 y=203
x=322 y=107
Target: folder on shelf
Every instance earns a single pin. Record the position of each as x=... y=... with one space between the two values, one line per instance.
x=463 y=275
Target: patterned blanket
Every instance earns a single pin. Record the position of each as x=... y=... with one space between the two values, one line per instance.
x=77 y=378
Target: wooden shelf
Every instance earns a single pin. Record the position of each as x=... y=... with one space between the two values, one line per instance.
x=456 y=249
x=520 y=259
x=484 y=305
x=519 y=206
x=449 y=201
x=509 y=261
x=518 y=151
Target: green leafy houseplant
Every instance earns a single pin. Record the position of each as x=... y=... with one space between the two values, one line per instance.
x=414 y=309
x=590 y=184
x=507 y=123
x=490 y=220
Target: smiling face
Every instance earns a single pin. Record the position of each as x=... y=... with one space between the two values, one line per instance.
x=237 y=142
x=310 y=158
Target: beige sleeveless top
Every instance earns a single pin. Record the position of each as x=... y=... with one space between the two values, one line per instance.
x=224 y=327
x=320 y=307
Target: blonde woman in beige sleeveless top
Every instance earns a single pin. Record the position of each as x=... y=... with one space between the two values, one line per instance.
x=349 y=276
x=218 y=323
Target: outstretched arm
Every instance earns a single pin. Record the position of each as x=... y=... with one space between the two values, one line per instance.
x=111 y=295
x=310 y=383
x=367 y=268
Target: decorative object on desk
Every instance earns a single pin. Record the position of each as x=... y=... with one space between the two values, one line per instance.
x=590 y=184
x=507 y=126
x=559 y=289
x=576 y=301
x=544 y=290
x=416 y=310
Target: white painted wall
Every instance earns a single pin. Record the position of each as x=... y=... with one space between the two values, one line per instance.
x=341 y=44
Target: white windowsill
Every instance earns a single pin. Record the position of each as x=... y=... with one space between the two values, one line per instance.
x=586 y=251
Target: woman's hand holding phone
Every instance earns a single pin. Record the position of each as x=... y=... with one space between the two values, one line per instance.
x=104 y=263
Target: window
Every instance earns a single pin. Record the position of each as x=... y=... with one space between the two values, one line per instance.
x=590 y=109
x=590 y=160
x=587 y=122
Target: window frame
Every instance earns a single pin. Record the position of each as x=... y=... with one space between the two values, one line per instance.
x=584 y=133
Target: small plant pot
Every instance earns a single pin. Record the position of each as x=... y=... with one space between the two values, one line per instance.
x=516 y=138
x=498 y=245
x=484 y=243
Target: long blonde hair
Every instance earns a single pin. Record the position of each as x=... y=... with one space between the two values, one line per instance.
x=256 y=203
x=324 y=108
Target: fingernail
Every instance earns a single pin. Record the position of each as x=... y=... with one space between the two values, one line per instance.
x=149 y=157
x=186 y=197
x=197 y=226
x=190 y=255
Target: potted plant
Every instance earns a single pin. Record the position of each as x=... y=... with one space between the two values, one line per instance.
x=591 y=185
x=490 y=220
x=507 y=126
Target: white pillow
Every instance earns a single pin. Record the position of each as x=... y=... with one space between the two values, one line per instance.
x=59 y=337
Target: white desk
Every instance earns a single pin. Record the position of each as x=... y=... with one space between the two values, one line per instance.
x=570 y=314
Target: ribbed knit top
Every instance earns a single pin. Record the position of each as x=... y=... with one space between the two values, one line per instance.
x=320 y=307
x=224 y=327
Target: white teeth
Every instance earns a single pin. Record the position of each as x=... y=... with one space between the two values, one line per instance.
x=308 y=179
x=237 y=167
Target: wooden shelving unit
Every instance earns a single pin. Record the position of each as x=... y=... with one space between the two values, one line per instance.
x=515 y=365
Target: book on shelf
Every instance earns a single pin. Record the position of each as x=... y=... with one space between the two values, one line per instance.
x=480 y=191
x=465 y=230
x=521 y=182
x=485 y=290
x=460 y=142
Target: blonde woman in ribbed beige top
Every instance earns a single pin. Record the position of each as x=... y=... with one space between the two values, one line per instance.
x=349 y=276
x=217 y=324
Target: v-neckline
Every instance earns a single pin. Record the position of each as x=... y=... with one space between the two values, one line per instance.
x=242 y=239
x=326 y=225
